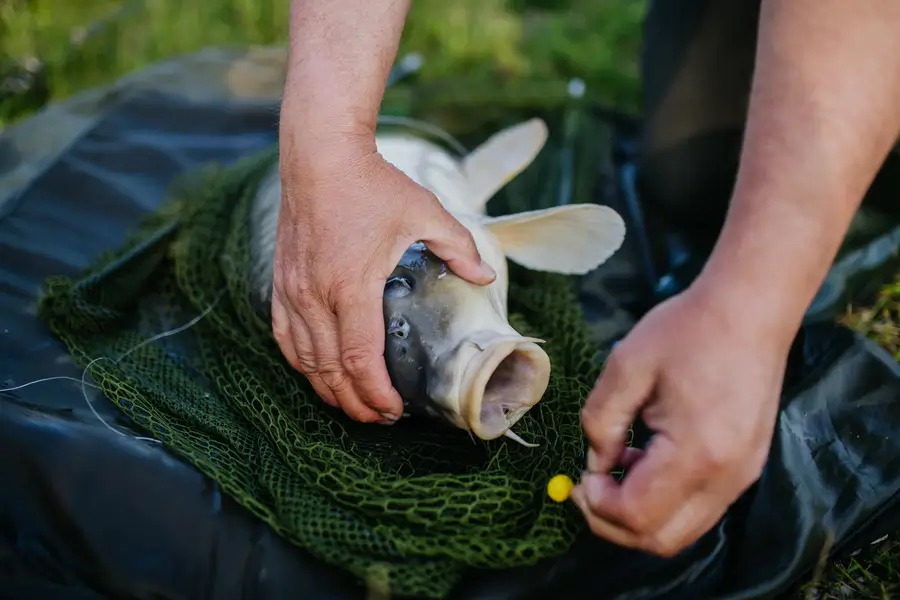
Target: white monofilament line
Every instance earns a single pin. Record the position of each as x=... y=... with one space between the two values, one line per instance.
x=85 y=384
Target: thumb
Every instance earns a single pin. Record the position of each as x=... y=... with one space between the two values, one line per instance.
x=453 y=243
x=612 y=406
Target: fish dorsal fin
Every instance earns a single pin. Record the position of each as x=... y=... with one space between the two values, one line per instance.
x=571 y=239
x=498 y=160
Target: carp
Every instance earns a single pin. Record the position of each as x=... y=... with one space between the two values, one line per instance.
x=450 y=350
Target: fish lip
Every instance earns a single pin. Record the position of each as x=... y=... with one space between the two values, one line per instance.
x=533 y=363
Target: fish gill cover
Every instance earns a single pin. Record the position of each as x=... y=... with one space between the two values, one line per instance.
x=412 y=505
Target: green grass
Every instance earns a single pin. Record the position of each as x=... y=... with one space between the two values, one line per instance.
x=83 y=43
x=50 y=49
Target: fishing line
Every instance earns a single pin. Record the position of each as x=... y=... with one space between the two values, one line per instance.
x=85 y=384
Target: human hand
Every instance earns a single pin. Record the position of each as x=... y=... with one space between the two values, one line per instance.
x=706 y=378
x=347 y=217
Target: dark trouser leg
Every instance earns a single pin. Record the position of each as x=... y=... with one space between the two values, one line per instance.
x=697 y=68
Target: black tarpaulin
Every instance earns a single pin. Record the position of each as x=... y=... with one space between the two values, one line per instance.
x=86 y=513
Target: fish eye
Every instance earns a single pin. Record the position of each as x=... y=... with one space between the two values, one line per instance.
x=398 y=286
x=398 y=327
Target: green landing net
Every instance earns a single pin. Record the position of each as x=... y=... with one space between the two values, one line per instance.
x=411 y=506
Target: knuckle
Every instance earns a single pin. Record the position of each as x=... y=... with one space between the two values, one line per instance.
x=306 y=363
x=466 y=238
x=298 y=292
x=305 y=301
x=605 y=437
x=339 y=292
x=334 y=378
x=340 y=284
x=356 y=360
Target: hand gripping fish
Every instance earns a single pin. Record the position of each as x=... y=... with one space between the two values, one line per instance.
x=450 y=350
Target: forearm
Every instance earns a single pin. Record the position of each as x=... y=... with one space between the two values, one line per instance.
x=341 y=52
x=824 y=112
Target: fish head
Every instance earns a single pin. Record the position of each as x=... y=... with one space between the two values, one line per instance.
x=450 y=351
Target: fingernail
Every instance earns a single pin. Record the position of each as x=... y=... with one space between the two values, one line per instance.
x=391 y=418
x=488 y=270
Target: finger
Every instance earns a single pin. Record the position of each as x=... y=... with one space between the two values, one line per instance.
x=612 y=406
x=453 y=243
x=323 y=330
x=611 y=532
x=698 y=516
x=282 y=331
x=292 y=334
x=361 y=333
x=323 y=391
x=305 y=350
x=630 y=457
x=652 y=491
x=595 y=488
x=691 y=522
x=626 y=460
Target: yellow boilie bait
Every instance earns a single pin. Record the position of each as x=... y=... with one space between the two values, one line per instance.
x=559 y=488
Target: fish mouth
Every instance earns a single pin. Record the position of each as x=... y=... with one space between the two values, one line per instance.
x=502 y=383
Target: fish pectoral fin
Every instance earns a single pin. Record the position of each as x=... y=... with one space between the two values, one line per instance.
x=514 y=437
x=572 y=239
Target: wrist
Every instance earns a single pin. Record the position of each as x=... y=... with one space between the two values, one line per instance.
x=311 y=102
x=768 y=264
x=747 y=311
x=315 y=142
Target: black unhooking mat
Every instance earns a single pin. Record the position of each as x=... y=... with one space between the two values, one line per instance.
x=87 y=513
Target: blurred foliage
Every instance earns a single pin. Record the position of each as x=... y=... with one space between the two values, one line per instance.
x=50 y=49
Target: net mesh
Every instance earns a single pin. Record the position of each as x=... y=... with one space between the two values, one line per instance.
x=412 y=505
